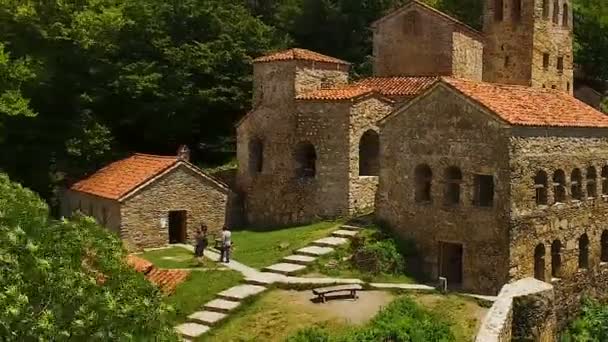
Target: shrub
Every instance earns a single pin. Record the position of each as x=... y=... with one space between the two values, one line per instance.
x=314 y=334
x=68 y=280
x=591 y=325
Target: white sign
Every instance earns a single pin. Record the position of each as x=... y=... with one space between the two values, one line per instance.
x=163 y=222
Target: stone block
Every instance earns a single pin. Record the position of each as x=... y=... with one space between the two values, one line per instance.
x=330 y=242
x=241 y=292
x=314 y=251
x=284 y=268
x=299 y=259
x=191 y=330
x=221 y=305
x=344 y=233
x=348 y=227
x=207 y=317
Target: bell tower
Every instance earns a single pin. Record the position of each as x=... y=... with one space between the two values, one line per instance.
x=529 y=42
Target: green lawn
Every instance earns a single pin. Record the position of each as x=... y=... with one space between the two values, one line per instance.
x=175 y=257
x=259 y=248
x=201 y=287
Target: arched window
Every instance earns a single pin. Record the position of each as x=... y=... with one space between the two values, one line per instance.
x=604 y=246
x=556 y=12
x=256 y=155
x=516 y=11
x=369 y=147
x=540 y=185
x=565 y=16
x=453 y=178
x=559 y=186
x=575 y=184
x=412 y=24
x=556 y=259
x=605 y=180
x=583 y=252
x=306 y=160
x=539 y=262
x=591 y=182
x=498 y=10
x=423 y=177
x=546 y=9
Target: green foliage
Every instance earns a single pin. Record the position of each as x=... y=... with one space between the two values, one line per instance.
x=591 y=325
x=381 y=252
x=401 y=321
x=67 y=280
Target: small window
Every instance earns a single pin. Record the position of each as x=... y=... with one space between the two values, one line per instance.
x=591 y=182
x=556 y=12
x=546 y=9
x=498 y=10
x=605 y=180
x=566 y=16
x=306 y=160
x=507 y=61
x=567 y=86
x=560 y=64
x=576 y=188
x=559 y=186
x=256 y=156
x=604 y=246
x=369 y=147
x=540 y=186
x=545 y=61
x=453 y=178
x=583 y=252
x=539 y=262
x=553 y=86
x=516 y=11
x=556 y=259
x=484 y=191
x=424 y=179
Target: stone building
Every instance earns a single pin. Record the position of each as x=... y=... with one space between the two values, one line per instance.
x=151 y=200
x=494 y=190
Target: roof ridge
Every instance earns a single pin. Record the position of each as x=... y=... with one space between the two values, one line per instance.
x=296 y=53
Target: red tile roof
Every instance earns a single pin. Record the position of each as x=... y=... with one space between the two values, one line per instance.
x=526 y=106
x=166 y=279
x=139 y=264
x=119 y=178
x=398 y=86
x=299 y=54
x=341 y=93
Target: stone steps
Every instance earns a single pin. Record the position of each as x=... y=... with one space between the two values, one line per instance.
x=330 y=242
x=221 y=305
x=349 y=227
x=209 y=318
x=343 y=233
x=284 y=268
x=314 y=251
x=191 y=330
x=240 y=292
x=299 y=259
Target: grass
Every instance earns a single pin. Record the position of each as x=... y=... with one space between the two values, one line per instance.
x=175 y=257
x=260 y=248
x=270 y=319
x=201 y=287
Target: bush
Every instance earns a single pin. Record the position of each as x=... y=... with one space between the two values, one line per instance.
x=401 y=321
x=591 y=325
x=68 y=280
x=380 y=252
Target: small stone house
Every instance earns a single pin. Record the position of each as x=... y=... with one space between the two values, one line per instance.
x=151 y=200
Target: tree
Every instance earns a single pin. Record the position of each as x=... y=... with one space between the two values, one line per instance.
x=591 y=38
x=68 y=280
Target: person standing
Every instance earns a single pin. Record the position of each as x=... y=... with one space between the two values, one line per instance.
x=226 y=245
x=201 y=242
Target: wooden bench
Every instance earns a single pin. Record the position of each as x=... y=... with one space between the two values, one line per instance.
x=323 y=291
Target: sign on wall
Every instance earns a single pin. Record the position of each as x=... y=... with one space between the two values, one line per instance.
x=163 y=222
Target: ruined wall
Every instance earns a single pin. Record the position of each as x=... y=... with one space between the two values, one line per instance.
x=441 y=130
x=93 y=206
x=180 y=189
x=419 y=42
x=467 y=60
x=534 y=224
x=364 y=116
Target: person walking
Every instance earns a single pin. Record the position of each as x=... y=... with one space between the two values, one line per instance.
x=226 y=244
x=201 y=242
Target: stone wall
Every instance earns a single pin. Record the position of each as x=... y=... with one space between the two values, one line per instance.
x=418 y=41
x=467 y=60
x=566 y=222
x=180 y=189
x=523 y=311
x=105 y=211
x=442 y=130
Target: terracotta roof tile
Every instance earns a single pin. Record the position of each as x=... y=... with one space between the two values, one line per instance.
x=139 y=264
x=119 y=178
x=167 y=280
x=398 y=86
x=334 y=94
x=526 y=106
x=299 y=54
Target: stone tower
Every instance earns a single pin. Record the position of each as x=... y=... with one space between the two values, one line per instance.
x=529 y=42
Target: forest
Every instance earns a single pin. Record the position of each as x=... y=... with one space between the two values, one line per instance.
x=85 y=82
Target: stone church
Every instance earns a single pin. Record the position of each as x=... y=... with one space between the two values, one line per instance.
x=470 y=143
